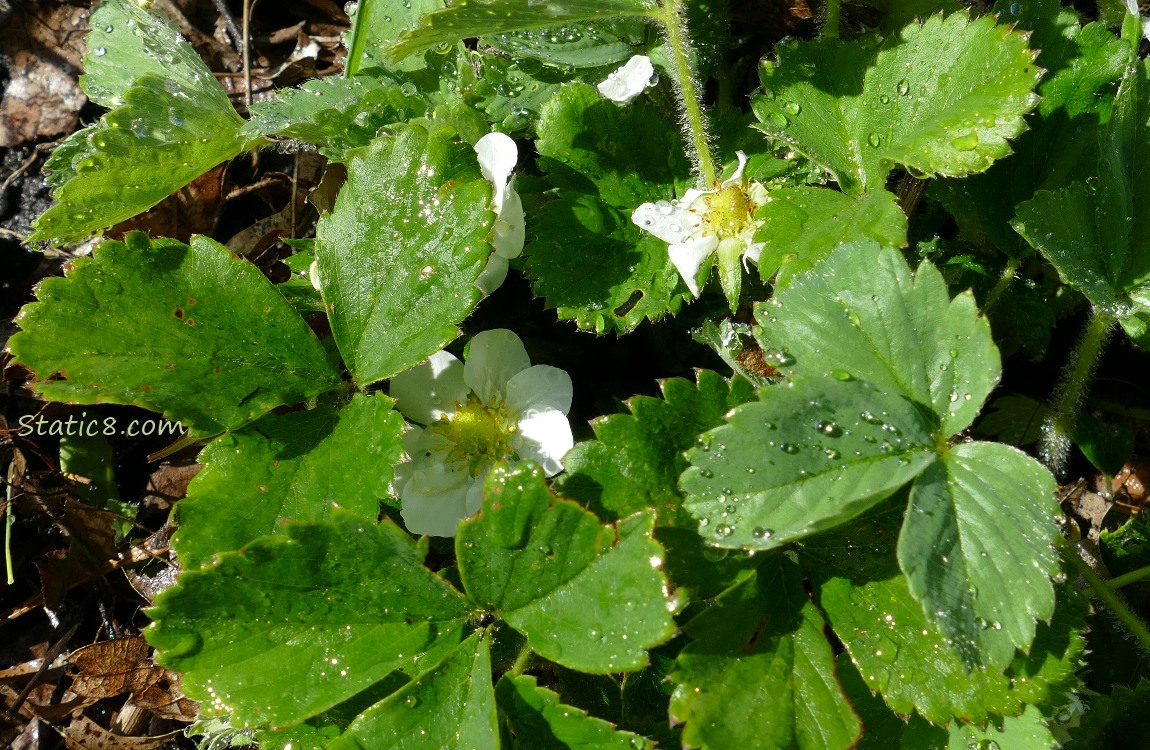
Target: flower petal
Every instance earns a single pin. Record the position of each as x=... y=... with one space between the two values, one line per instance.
x=544 y=437
x=493 y=358
x=690 y=258
x=497 y=157
x=430 y=389
x=737 y=177
x=630 y=80
x=313 y=275
x=538 y=389
x=493 y=274
x=669 y=222
x=438 y=514
x=510 y=225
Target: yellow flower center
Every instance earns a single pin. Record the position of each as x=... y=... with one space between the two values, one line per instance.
x=729 y=211
x=479 y=433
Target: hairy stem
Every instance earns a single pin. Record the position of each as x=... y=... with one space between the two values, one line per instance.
x=1107 y=595
x=1058 y=429
x=831 y=27
x=1004 y=282
x=1126 y=579
x=673 y=17
x=522 y=660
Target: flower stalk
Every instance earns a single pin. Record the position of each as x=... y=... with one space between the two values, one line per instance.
x=1058 y=429
x=673 y=17
x=1107 y=595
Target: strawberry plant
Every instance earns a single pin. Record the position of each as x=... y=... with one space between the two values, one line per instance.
x=393 y=544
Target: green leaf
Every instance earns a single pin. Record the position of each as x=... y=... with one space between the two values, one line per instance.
x=447 y=706
x=377 y=25
x=579 y=45
x=1016 y=420
x=811 y=454
x=289 y=467
x=940 y=98
x=586 y=256
x=759 y=674
x=190 y=331
x=1023 y=732
x=399 y=254
x=899 y=653
x=801 y=226
x=537 y=720
x=637 y=458
x=1094 y=233
x=981 y=567
x=293 y=625
x=862 y=313
x=127 y=42
x=336 y=114
x=587 y=596
x=171 y=121
x=1115 y=720
x=470 y=18
x=161 y=138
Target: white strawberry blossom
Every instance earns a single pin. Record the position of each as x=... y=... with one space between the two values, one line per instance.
x=498 y=155
x=630 y=80
x=471 y=415
x=707 y=223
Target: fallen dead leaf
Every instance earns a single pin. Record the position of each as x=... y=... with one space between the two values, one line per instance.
x=125 y=665
x=85 y=734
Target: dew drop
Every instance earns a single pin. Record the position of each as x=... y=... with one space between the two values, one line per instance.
x=724 y=531
x=829 y=428
x=874 y=140
x=792 y=108
x=99 y=52
x=777 y=120
x=884 y=99
x=789 y=448
x=904 y=87
x=761 y=533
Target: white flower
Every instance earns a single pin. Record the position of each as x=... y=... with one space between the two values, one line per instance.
x=498 y=155
x=496 y=406
x=706 y=223
x=626 y=83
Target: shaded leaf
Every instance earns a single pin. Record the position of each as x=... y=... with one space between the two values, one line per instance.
x=537 y=720
x=188 y=330
x=289 y=467
x=399 y=254
x=450 y=705
x=759 y=674
x=587 y=596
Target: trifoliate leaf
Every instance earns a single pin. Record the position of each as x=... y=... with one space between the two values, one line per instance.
x=289 y=467
x=759 y=673
x=637 y=458
x=941 y=98
x=161 y=138
x=587 y=596
x=471 y=18
x=979 y=565
x=808 y=456
x=171 y=121
x=293 y=625
x=801 y=226
x=586 y=256
x=863 y=314
x=1094 y=233
x=450 y=705
x=513 y=92
x=537 y=720
x=336 y=114
x=901 y=655
x=190 y=331
x=399 y=254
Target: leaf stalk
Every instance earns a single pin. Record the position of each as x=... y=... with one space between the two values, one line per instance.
x=1106 y=594
x=674 y=20
x=831 y=27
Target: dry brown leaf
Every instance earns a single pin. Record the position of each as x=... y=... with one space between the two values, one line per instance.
x=43 y=45
x=85 y=734
x=112 y=668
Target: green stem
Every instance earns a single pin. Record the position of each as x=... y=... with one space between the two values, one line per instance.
x=673 y=17
x=1058 y=428
x=9 y=521
x=831 y=27
x=522 y=660
x=1126 y=579
x=1107 y=595
x=1004 y=282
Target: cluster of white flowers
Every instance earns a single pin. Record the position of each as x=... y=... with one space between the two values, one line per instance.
x=495 y=406
x=707 y=223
